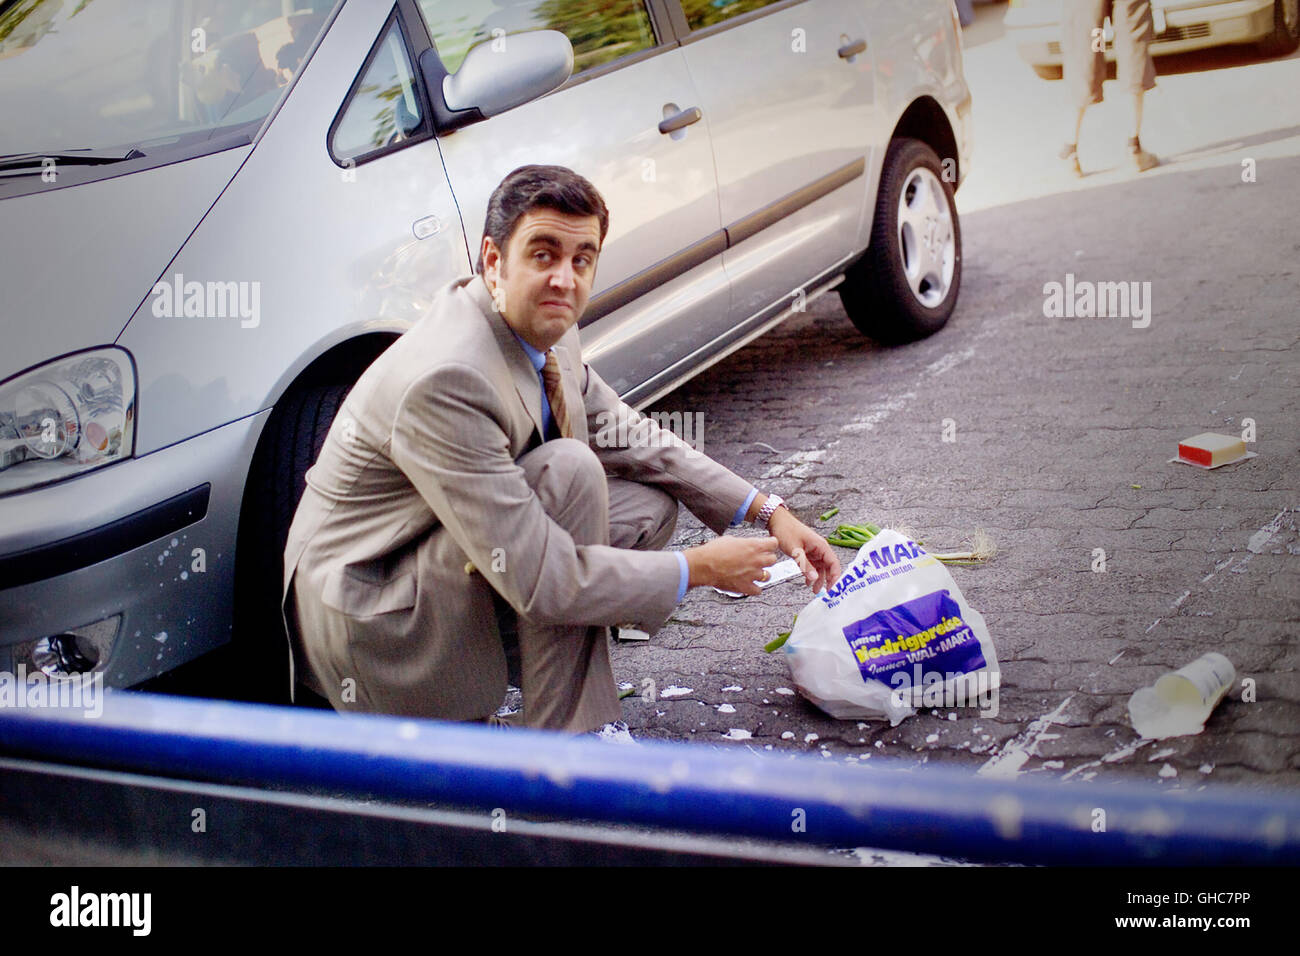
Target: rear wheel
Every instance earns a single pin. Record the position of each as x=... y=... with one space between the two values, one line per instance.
x=1286 y=29
x=258 y=662
x=905 y=286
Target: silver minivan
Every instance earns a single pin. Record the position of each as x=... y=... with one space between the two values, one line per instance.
x=214 y=214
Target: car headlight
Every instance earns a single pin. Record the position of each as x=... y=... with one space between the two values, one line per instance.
x=66 y=417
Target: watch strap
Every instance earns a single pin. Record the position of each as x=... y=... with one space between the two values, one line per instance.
x=764 y=515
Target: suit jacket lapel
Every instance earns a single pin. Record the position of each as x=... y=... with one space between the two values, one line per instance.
x=527 y=385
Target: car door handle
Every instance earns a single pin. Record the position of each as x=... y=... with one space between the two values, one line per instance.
x=681 y=120
x=852 y=49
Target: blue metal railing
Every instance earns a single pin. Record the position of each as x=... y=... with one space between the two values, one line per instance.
x=799 y=800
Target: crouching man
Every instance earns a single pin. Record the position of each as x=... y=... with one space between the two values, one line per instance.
x=480 y=478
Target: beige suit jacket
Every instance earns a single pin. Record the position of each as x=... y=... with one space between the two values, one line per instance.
x=418 y=476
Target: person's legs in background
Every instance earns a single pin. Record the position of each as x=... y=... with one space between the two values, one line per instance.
x=1134 y=31
x=1083 y=65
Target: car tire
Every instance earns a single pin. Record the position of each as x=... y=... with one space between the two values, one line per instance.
x=1286 y=29
x=290 y=444
x=903 y=289
x=1048 y=71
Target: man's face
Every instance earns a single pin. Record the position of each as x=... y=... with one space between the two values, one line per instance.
x=542 y=283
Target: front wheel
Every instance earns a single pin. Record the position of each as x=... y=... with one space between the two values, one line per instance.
x=905 y=286
x=258 y=658
x=1286 y=29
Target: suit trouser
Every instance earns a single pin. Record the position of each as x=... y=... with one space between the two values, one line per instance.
x=565 y=673
x=566 y=677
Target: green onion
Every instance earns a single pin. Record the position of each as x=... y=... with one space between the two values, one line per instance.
x=781 y=638
x=979 y=548
x=853 y=535
x=828 y=515
x=777 y=644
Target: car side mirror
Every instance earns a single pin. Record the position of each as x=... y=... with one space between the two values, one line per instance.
x=508 y=71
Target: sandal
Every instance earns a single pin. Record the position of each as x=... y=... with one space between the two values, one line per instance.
x=1070 y=154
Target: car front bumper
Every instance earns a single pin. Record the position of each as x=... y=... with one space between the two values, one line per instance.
x=146 y=546
x=1194 y=28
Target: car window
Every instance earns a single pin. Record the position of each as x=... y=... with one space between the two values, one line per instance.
x=122 y=74
x=383 y=108
x=599 y=32
x=705 y=13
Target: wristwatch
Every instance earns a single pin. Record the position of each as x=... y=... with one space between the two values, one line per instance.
x=764 y=515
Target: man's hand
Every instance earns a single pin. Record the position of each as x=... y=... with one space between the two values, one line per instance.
x=810 y=551
x=733 y=564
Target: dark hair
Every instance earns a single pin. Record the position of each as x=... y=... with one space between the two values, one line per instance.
x=534 y=187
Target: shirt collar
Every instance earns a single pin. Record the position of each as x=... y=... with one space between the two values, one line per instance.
x=537 y=358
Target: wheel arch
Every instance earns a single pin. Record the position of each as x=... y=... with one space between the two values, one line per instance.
x=340 y=364
x=925 y=119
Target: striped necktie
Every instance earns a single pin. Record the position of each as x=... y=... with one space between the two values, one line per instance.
x=555 y=395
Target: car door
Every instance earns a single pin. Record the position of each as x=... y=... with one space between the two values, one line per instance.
x=788 y=91
x=628 y=120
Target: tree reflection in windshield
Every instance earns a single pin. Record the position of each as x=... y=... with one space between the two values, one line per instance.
x=108 y=74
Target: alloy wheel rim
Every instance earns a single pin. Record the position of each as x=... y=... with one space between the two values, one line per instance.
x=927 y=240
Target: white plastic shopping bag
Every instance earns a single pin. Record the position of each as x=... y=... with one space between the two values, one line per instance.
x=894 y=633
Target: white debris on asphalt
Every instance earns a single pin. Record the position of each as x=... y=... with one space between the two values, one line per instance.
x=1260 y=538
x=1016 y=753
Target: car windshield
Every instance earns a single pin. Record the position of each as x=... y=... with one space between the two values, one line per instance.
x=116 y=75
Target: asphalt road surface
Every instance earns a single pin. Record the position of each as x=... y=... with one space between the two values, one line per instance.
x=1063 y=430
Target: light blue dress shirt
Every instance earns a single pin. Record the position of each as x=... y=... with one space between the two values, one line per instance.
x=539 y=362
